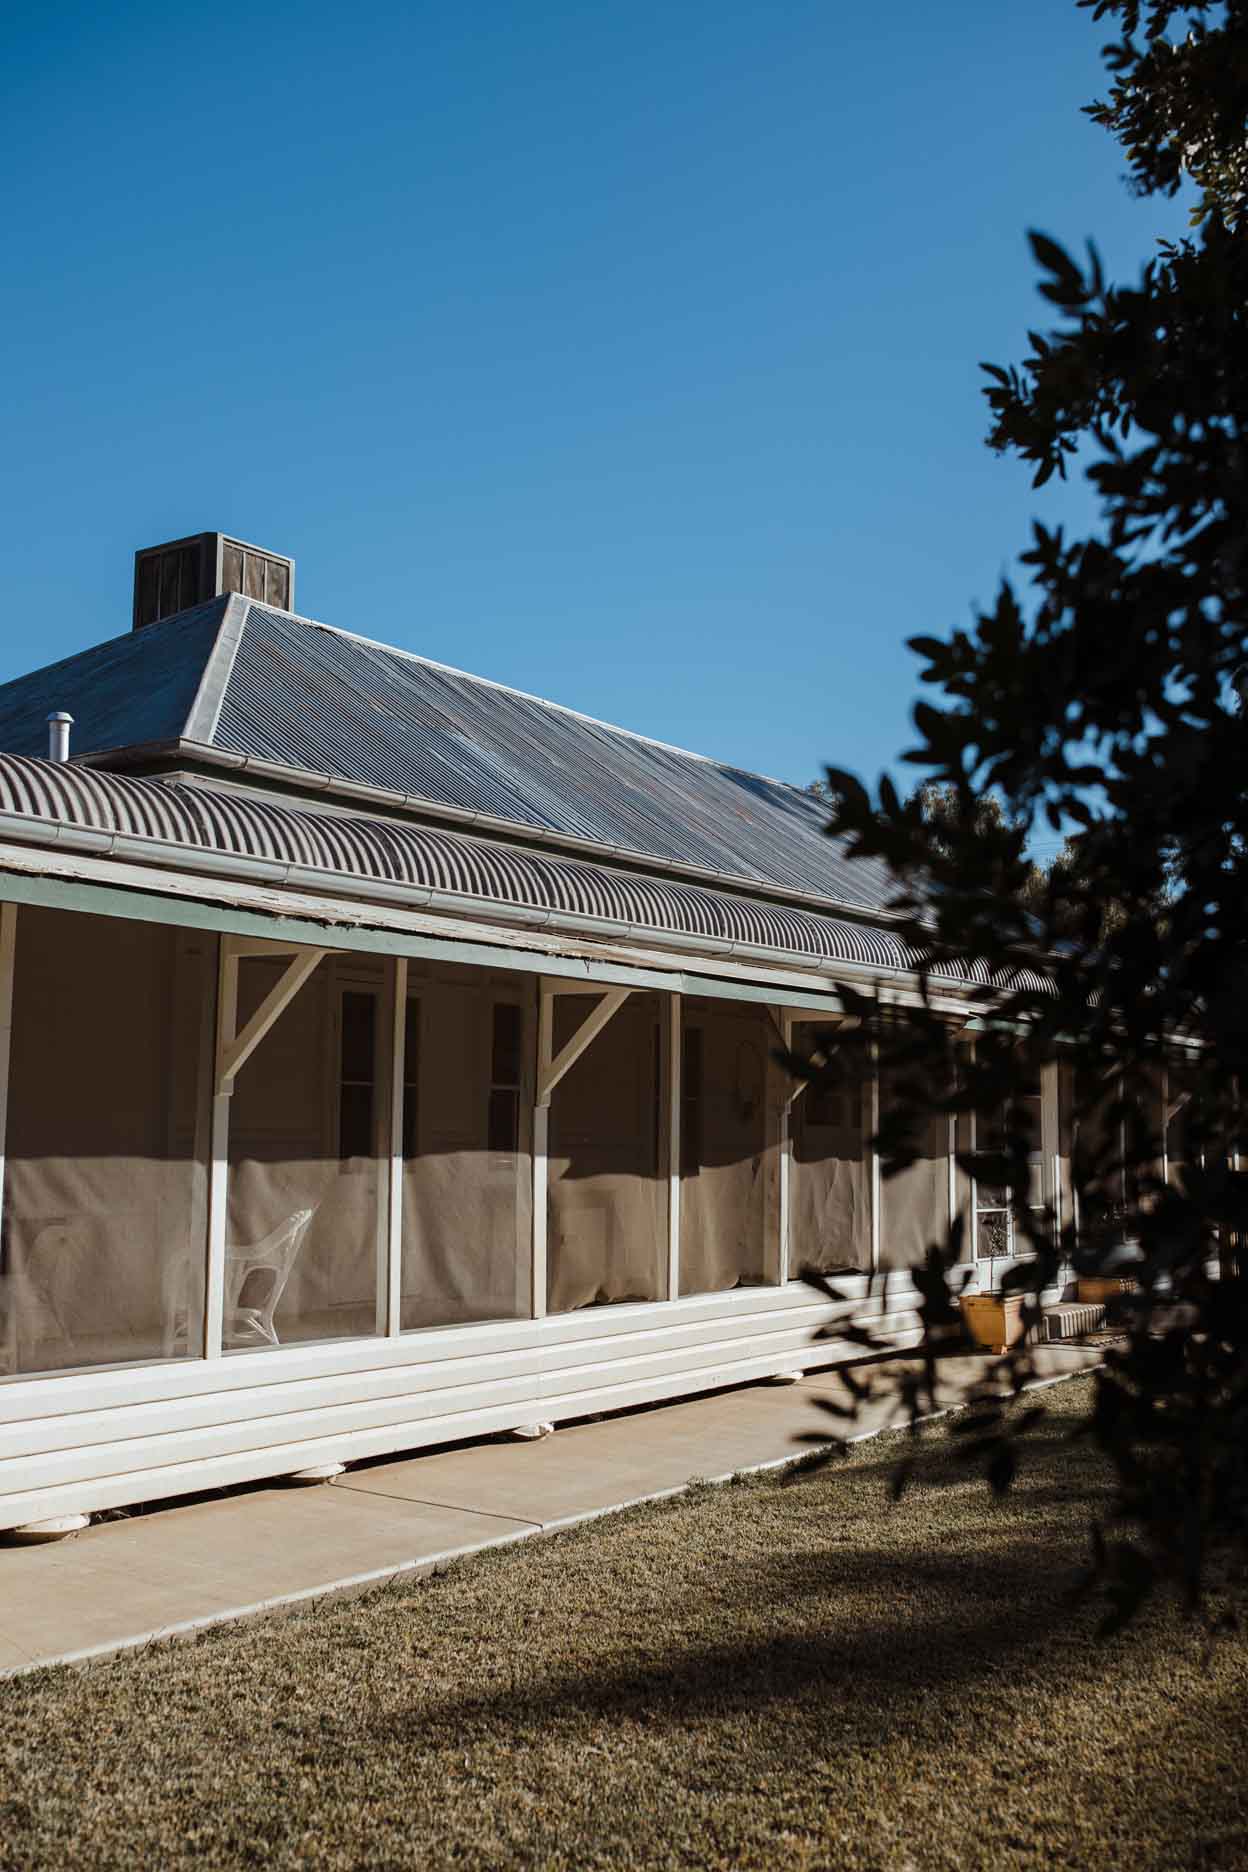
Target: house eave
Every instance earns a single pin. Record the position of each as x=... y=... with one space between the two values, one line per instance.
x=480 y=930
x=357 y=795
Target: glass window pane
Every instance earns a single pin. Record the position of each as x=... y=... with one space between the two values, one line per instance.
x=359 y=1035
x=355 y=1127
x=690 y=1101
x=411 y=1078
x=993 y=1228
x=504 y=1120
x=507 y=1028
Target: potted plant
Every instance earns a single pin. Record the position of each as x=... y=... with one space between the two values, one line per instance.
x=993 y=1320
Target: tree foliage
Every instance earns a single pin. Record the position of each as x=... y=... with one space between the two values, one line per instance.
x=1100 y=690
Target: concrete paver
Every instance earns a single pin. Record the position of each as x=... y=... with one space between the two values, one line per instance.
x=190 y=1565
x=126 y=1582
x=588 y=1468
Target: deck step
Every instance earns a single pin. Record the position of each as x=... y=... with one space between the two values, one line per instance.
x=1074 y=1319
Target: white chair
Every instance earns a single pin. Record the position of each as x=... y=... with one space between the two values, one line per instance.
x=50 y=1276
x=256 y=1277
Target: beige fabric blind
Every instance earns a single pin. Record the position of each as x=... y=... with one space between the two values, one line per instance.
x=830 y=1197
x=607 y=1229
x=105 y=1216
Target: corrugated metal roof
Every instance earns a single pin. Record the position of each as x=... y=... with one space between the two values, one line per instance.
x=317 y=698
x=136 y=688
x=424 y=858
x=305 y=696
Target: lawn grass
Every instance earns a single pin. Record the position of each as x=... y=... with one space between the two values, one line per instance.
x=751 y=1675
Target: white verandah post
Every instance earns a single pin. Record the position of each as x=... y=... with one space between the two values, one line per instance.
x=232 y=1051
x=390 y=1274
x=784 y=1271
x=873 y=1098
x=8 y=956
x=675 y=1031
x=541 y=1139
x=218 y=1180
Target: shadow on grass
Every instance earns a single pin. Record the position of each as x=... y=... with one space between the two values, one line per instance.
x=899 y=1631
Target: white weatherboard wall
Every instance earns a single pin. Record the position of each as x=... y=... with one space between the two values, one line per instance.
x=82 y=1441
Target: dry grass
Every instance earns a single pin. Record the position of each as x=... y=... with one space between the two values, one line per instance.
x=755 y=1675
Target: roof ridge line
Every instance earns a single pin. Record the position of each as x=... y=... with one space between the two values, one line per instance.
x=215 y=676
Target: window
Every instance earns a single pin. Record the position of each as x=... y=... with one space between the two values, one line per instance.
x=506 y=1061
x=830 y=1107
x=357 y=1072
x=411 y=1078
x=994 y=1220
x=691 y=1101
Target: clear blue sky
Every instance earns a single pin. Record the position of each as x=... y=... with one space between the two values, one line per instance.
x=626 y=353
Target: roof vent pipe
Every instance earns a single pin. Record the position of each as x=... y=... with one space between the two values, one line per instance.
x=59 y=725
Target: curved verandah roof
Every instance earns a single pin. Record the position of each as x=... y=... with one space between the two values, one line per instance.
x=41 y=800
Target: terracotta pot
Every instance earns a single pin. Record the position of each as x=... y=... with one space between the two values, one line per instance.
x=1097 y=1289
x=993 y=1322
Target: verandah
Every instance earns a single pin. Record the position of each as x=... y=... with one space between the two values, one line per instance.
x=223 y=1144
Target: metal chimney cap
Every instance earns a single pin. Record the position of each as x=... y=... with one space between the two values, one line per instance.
x=59 y=725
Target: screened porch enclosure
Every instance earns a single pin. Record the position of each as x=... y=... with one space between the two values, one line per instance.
x=466 y=1123
x=732 y=1093
x=308 y=1157
x=117 y=1091
x=227 y=1146
x=831 y=1163
x=106 y=1170
x=608 y=1187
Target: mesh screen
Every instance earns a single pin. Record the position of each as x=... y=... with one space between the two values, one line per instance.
x=1180 y=1150
x=104 y=1244
x=467 y=1175
x=1145 y=1139
x=914 y=1205
x=1065 y=1142
x=830 y=1181
x=1098 y=1141
x=308 y=1132
x=607 y=1227
x=731 y=1092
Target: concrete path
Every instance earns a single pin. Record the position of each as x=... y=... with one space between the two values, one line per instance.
x=130 y=1582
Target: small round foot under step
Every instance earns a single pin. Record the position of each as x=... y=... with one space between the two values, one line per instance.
x=55 y=1529
x=319 y=1472
x=786 y=1377
x=529 y=1432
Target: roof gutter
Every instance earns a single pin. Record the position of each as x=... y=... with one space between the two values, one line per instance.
x=356 y=794
x=160 y=852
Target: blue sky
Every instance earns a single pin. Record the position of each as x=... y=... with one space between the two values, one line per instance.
x=624 y=353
